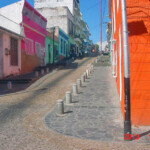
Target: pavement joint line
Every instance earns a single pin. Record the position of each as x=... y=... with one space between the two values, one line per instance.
x=94 y=107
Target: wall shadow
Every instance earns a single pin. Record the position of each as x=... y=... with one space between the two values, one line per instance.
x=137 y=28
x=15 y=110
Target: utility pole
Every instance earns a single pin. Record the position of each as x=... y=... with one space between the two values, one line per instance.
x=101 y=25
x=127 y=109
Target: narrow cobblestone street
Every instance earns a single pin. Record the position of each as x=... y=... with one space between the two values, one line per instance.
x=28 y=121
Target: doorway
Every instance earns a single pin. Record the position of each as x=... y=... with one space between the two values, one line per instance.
x=13 y=52
x=1 y=55
x=49 y=53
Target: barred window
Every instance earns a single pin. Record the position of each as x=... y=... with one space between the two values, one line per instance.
x=38 y=49
x=29 y=46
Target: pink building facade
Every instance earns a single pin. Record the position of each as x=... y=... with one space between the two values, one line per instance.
x=32 y=46
x=10 y=54
x=10 y=47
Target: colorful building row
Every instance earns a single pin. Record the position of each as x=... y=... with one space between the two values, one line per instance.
x=139 y=52
x=25 y=43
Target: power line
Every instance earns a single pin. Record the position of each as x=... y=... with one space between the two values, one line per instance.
x=104 y=9
x=93 y=6
x=101 y=21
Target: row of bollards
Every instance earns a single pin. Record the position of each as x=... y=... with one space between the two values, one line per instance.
x=75 y=90
x=42 y=72
x=37 y=74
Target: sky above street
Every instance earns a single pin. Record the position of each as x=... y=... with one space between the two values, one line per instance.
x=90 y=10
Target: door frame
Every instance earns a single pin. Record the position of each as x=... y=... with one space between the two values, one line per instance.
x=1 y=55
x=49 y=53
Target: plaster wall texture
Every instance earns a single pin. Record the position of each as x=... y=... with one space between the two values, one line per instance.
x=57 y=17
x=54 y=3
x=10 y=25
x=7 y=67
x=139 y=39
x=13 y=11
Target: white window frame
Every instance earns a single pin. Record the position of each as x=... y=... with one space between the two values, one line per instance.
x=38 y=49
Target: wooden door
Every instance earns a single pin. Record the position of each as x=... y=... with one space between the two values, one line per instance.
x=14 y=52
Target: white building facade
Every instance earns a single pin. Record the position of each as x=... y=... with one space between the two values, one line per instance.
x=71 y=4
x=59 y=16
x=65 y=14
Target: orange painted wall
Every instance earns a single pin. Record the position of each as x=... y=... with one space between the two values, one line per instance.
x=138 y=12
x=28 y=62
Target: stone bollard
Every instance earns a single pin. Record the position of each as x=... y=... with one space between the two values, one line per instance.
x=60 y=107
x=47 y=70
x=96 y=61
x=36 y=74
x=83 y=79
x=93 y=67
x=75 y=89
x=89 y=70
x=79 y=83
x=85 y=74
x=68 y=97
x=42 y=72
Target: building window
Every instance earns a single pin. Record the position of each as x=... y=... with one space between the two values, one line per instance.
x=38 y=48
x=36 y=18
x=27 y=12
x=13 y=52
x=29 y=46
x=75 y=4
x=70 y=27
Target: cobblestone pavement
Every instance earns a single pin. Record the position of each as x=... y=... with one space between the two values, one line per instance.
x=95 y=113
x=22 y=116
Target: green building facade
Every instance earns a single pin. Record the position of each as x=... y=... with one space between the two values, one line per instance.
x=51 y=57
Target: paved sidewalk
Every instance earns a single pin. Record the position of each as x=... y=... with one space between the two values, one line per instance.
x=95 y=113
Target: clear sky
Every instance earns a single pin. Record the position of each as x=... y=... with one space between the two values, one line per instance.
x=90 y=10
x=91 y=14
